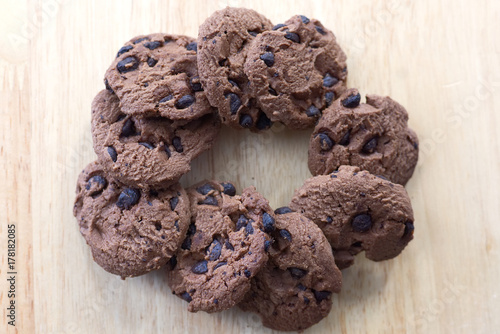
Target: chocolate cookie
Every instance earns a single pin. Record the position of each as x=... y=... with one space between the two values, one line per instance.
x=293 y=291
x=373 y=136
x=223 y=41
x=157 y=75
x=130 y=231
x=296 y=70
x=145 y=152
x=225 y=246
x=357 y=211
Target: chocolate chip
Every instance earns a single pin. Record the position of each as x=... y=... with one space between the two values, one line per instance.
x=293 y=37
x=242 y=222
x=167 y=150
x=152 y=62
x=220 y=264
x=325 y=142
x=253 y=33
x=210 y=200
x=382 y=177
x=301 y=287
x=234 y=103
x=357 y=244
x=297 y=273
x=173 y=203
x=185 y=102
x=268 y=222
x=215 y=301
x=229 y=189
x=176 y=224
x=267 y=244
x=229 y=245
x=329 y=97
x=216 y=250
x=172 y=262
x=112 y=153
x=223 y=62
x=128 y=128
x=282 y=210
x=97 y=183
x=312 y=111
x=147 y=145
x=263 y=122
x=321 y=295
x=346 y=138
x=352 y=101
x=141 y=39
x=176 y=142
x=409 y=228
x=158 y=226
x=205 y=189
x=195 y=84
x=361 y=223
x=200 y=267
x=124 y=49
x=152 y=45
x=286 y=235
x=268 y=58
x=126 y=65
x=193 y=46
x=329 y=81
x=233 y=83
x=247 y=273
x=320 y=30
x=128 y=198
x=272 y=91
x=333 y=176
x=370 y=146
x=166 y=98
x=246 y=121
x=279 y=25
x=186 y=296
x=153 y=193
x=249 y=228
x=306 y=300
x=108 y=87
x=304 y=19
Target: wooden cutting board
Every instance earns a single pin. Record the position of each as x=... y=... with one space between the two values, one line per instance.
x=440 y=59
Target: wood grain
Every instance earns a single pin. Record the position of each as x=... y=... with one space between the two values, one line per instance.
x=440 y=59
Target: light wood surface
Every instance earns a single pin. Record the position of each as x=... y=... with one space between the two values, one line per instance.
x=440 y=59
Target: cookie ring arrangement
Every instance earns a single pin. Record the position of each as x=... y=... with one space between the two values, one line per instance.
x=165 y=100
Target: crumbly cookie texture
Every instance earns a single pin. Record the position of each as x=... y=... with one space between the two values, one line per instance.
x=147 y=151
x=130 y=231
x=225 y=246
x=223 y=42
x=373 y=136
x=157 y=75
x=293 y=291
x=357 y=211
x=296 y=70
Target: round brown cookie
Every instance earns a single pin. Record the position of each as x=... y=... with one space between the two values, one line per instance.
x=357 y=211
x=145 y=152
x=223 y=41
x=225 y=246
x=130 y=231
x=296 y=70
x=293 y=291
x=373 y=136
x=157 y=75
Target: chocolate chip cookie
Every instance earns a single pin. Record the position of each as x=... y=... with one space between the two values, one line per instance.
x=223 y=42
x=296 y=70
x=357 y=211
x=147 y=151
x=157 y=75
x=225 y=246
x=373 y=136
x=293 y=291
x=129 y=230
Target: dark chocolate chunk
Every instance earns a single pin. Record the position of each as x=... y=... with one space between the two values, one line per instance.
x=173 y=203
x=272 y=91
x=286 y=235
x=321 y=295
x=108 y=87
x=128 y=64
x=329 y=81
x=352 y=101
x=166 y=98
x=242 y=222
x=282 y=210
x=346 y=139
x=167 y=150
x=152 y=45
x=279 y=25
x=141 y=39
x=301 y=287
x=158 y=226
x=268 y=222
x=326 y=143
x=234 y=103
x=152 y=62
x=128 y=198
x=304 y=19
x=229 y=189
x=329 y=97
x=98 y=183
x=370 y=146
x=229 y=245
x=186 y=296
x=172 y=262
x=293 y=37
x=268 y=58
x=205 y=189
x=112 y=153
x=409 y=228
x=124 y=49
x=267 y=244
x=246 y=121
x=312 y=111
x=361 y=223
x=297 y=273
x=176 y=142
x=216 y=250
x=200 y=267
x=128 y=128
x=185 y=102
x=220 y=264
x=210 y=200
x=249 y=228
x=195 y=84
x=247 y=273
x=147 y=145
x=329 y=220
x=193 y=46
x=263 y=122
x=320 y=30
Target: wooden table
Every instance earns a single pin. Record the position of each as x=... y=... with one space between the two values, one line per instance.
x=440 y=59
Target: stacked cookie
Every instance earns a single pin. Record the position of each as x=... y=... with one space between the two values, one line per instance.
x=164 y=101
